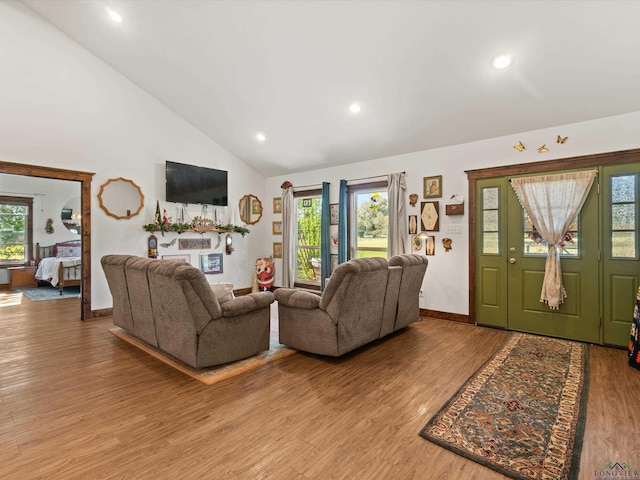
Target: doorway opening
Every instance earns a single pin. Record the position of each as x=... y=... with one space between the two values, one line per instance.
x=84 y=178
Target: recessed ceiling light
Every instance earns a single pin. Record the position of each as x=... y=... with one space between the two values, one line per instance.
x=115 y=16
x=503 y=61
x=355 y=108
x=261 y=137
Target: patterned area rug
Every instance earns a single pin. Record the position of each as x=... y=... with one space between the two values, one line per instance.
x=212 y=375
x=41 y=294
x=523 y=412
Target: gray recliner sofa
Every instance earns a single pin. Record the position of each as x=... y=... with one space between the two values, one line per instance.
x=363 y=301
x=171 y=306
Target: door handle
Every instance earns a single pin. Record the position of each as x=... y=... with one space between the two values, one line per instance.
x=512 y=261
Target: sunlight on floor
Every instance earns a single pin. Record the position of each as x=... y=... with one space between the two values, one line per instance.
x=8 y=299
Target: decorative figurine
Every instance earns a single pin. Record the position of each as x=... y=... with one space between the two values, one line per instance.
x=265 y=272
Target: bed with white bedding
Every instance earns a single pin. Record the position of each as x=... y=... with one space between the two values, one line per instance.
x=60 y=264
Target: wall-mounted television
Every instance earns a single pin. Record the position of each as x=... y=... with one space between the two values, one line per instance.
x=192 y=184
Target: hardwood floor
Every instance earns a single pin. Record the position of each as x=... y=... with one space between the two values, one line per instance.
x=78 y=403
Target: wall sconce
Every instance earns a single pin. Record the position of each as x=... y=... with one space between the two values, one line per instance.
x=228 y=244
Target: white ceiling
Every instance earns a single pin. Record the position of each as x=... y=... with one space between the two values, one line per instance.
x=420 y=69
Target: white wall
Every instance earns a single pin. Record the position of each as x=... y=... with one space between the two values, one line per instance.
x=62 y=107
x=446 y=283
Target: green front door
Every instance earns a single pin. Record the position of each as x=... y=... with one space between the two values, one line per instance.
x=510 y=268
x=578 y=317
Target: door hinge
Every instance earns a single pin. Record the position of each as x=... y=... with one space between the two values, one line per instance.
x=598 y=255
x=598 y=188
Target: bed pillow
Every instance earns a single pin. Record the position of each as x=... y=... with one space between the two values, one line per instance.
x=223 y=291
x=64 y=250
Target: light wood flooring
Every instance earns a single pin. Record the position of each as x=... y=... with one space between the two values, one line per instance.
x=78 y=403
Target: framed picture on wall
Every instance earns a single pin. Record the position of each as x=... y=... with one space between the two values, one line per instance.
x=333 y=238
x=277 y=249
x=430 y=245
x=211 y=263
x=333 y=213
x=334 y=262
x=433 y=187
x=430 y=216
x=413 y=224
x=277 y=204
x=276 y=228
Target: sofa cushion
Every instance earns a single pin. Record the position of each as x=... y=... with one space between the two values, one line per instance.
x=224 y=291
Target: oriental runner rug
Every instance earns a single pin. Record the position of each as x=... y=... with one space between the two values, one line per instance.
x=211 y=375
x=523 y=412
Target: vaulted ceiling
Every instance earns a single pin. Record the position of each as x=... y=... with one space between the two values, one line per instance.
x=420 y=70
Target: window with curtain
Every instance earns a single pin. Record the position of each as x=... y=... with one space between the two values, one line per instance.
x=534 y=244
x=368 y=220
x=308 y=218
x=15 y=230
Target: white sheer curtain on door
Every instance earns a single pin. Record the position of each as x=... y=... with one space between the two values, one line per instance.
x=553 y=203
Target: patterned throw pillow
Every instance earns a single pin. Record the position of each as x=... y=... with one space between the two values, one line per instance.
x=223 y=291
x=64 y=250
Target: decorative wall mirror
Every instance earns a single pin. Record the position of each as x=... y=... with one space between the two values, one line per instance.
x=71 y=215
x=120 y=198
x=250 y=209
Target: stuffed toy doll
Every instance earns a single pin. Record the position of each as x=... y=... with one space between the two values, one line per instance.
x=265 y=271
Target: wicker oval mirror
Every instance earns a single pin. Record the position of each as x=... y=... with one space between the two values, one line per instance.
x=250 y=209
x=120 y=198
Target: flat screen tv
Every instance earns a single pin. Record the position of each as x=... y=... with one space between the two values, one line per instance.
x=191 y=184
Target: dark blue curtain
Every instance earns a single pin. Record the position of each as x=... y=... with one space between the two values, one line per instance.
x=325 y=236
x=343 y=248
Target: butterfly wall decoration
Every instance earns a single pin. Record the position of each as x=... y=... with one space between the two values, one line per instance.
x=519 y=146
x=543 y=149
x=561 y=139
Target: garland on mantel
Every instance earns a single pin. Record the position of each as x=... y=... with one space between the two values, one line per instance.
x=187 y=227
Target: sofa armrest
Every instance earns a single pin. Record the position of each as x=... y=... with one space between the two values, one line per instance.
x=246 y=304
x=293 y=298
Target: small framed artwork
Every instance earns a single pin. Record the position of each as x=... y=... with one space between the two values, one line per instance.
x=333 y=214
x=416 y=243
x=430 y=216
x=277 y=204
x=276 y=228
x=334 y=262
x=277 y=249
x=430 y=245
x=306 y=202
x=211 y=263
x=194 y=243
x=433 y=187
x=333 y=238
x=413 y=224
x=178 y=258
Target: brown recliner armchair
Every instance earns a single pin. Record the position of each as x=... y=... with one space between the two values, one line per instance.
x=347 y=315
x=174 y=302
x=414 y=267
